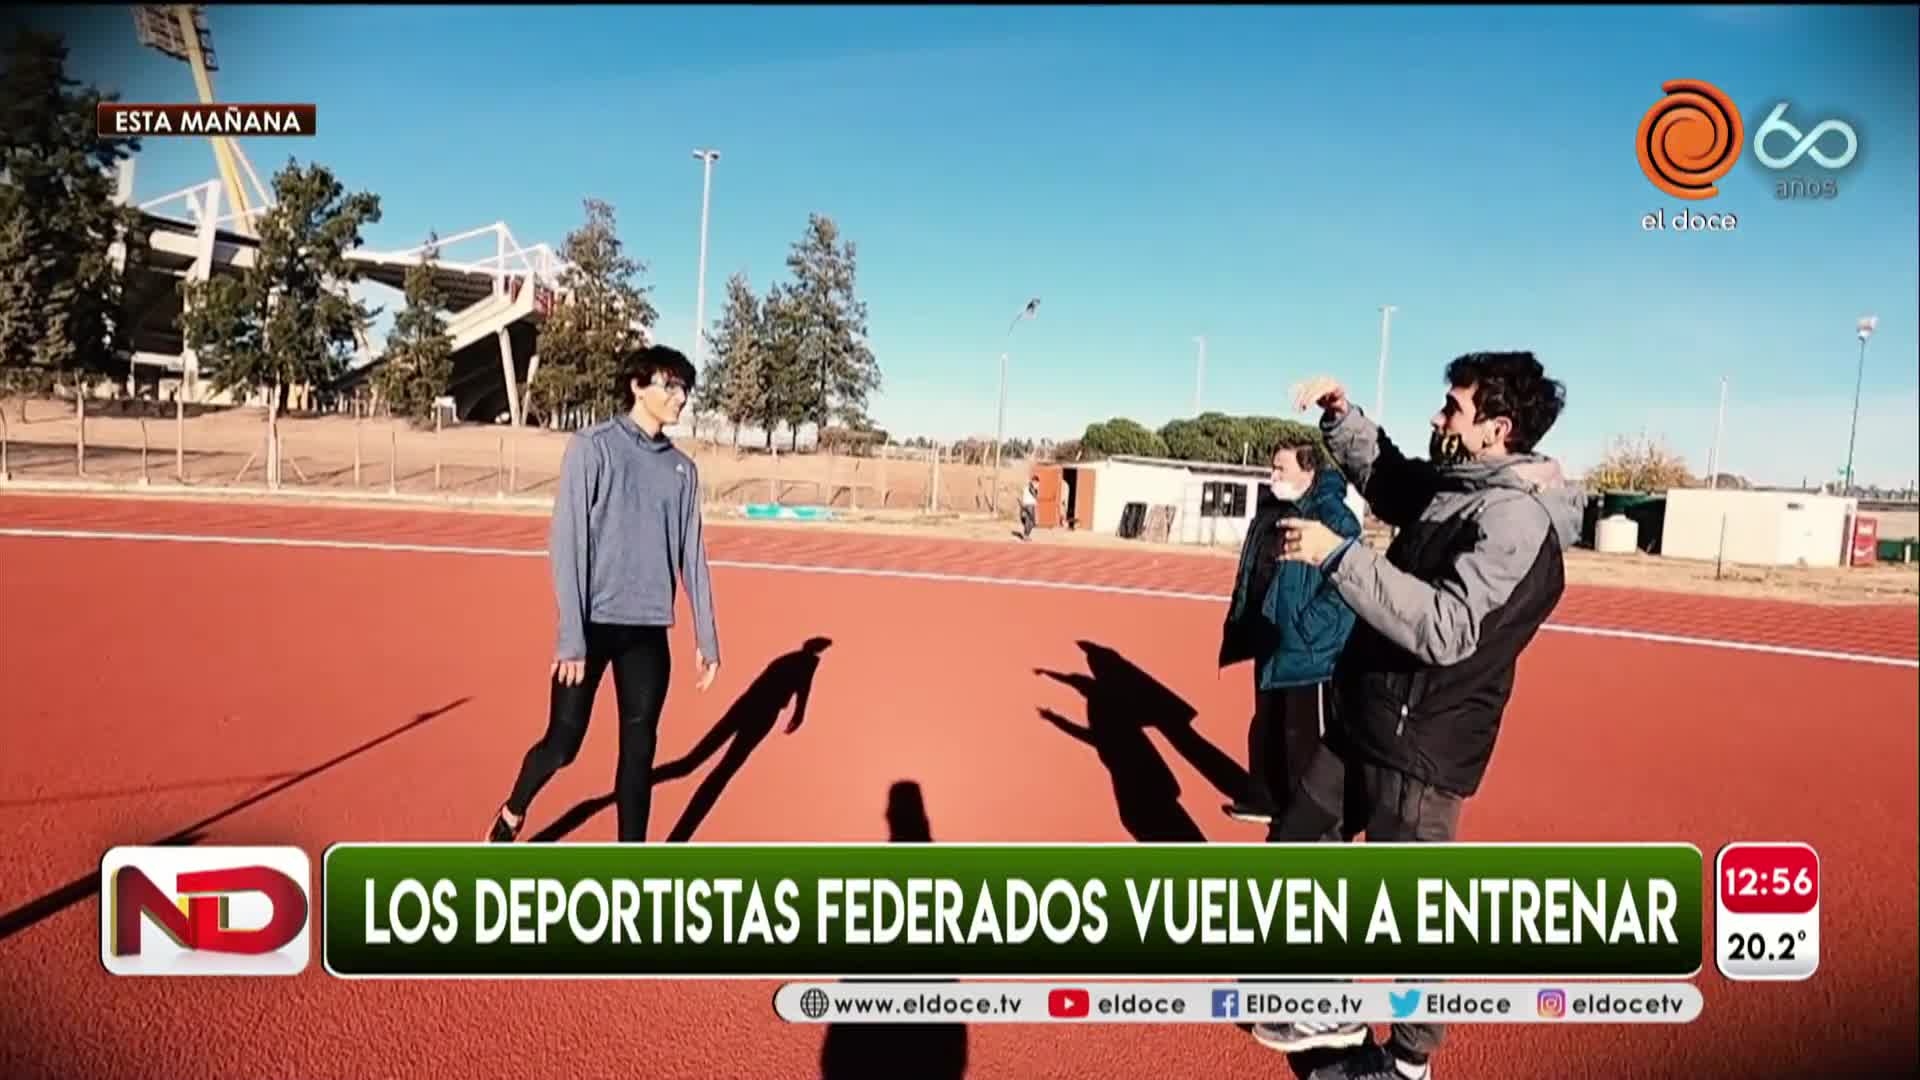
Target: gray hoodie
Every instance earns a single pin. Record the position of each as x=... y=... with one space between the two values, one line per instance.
x=626 y=517
x=1511 y=501
x=1443 y=614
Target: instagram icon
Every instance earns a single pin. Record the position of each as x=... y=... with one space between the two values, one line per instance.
x=1553 y=1004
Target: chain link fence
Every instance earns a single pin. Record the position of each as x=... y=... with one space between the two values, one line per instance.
x=134 y=442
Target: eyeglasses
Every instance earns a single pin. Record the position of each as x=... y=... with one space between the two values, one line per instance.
x=672 y=386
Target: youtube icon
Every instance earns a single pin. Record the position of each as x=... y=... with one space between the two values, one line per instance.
x=1070 y=1004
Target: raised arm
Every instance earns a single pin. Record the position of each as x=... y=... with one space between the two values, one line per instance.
x=1439 y=621
x=1396 y=487
x=570 y=546
x=1083 y=734
x=693 y=569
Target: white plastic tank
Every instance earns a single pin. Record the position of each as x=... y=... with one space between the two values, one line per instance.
x=1617 y=535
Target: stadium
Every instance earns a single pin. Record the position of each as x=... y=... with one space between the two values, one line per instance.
x=495 y=303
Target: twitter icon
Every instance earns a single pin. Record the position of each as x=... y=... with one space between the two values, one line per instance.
x=1404 y=1002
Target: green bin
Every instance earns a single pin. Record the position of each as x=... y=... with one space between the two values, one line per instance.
x=1619 y=502
x=1898 y=551
x=1648 y=511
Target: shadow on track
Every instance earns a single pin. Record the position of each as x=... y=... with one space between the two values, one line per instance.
x=79 y=889
x=1123 y=702
x=107 y=794
x=923 y=1051
x=741 y=729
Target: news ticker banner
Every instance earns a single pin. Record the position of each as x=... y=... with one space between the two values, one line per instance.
x=784 y=911
x=914 y=1002
x=119 y=120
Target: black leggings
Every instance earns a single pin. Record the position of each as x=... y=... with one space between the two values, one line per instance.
x=641 y=666
x=1283 y=737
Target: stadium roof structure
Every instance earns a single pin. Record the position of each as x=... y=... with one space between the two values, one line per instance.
x=494 y=301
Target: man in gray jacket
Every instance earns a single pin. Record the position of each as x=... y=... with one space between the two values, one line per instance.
x=1442 y=617
x=625 y=518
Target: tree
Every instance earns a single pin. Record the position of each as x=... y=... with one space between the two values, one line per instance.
x=1120 y=436
x=419 y=361
x=837 y=370
x=787 y=378
x=1639 y=464
x=1232 y=440
x=288 y=319
x=736 y=381
x=60 y=306
x=603 y=314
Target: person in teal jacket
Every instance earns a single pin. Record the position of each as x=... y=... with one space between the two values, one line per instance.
x=1288 y=619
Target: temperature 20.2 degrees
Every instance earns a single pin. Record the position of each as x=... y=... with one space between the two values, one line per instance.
x=1754 y=946
x=1768 y=920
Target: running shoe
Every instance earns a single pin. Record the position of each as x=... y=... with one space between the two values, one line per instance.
x=501 y=832
x=1296 y=1038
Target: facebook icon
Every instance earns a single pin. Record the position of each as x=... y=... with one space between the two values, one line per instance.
x=1226 y=1003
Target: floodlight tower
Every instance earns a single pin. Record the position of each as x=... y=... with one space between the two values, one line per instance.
x=180 y=31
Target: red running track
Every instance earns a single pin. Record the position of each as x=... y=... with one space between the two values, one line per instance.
x=148 y=686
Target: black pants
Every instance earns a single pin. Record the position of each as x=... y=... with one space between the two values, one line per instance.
x=1340 y=797
x=1282 y=740
x=641 y=665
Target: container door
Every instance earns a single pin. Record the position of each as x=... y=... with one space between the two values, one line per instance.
x=1799 y=537
x=1047 y=514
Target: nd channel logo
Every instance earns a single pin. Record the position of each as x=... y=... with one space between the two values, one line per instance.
x=1693 y=137
x=205 y=911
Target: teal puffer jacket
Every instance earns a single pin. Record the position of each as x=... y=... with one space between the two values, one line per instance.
x=1295 y=630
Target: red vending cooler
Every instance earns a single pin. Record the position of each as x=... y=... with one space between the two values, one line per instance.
x=1866 y=541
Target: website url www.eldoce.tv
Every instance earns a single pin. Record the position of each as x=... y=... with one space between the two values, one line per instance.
x=823 y=1003
x=1567 y=1002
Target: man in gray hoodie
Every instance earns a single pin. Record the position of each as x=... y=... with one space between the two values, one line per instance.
x=626 y=517
x=1442 y=617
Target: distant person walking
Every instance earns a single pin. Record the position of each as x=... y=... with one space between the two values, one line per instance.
x=1290 y=621
x=1443 y=616
x=626 y=518
x=1029 y=507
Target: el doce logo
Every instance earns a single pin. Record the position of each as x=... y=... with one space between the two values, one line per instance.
x=205 y=911
x=1690 y=139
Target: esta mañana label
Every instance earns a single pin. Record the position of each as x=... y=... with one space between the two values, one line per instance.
x=126 y=121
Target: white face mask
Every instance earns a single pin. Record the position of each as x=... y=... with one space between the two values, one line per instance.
x=1286 y=491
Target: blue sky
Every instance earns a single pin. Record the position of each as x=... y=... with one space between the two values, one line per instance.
x=1266 y=177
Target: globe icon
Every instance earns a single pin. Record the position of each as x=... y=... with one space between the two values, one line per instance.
x=814 y=1003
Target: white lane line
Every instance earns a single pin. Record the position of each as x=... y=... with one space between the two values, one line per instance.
x=911 y=575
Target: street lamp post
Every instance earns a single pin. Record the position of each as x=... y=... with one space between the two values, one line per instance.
x=1380 y=387
x=1199 y=372
x=1864 y=328
x=706 y=158
x=1000 y=425
x=1719 y=425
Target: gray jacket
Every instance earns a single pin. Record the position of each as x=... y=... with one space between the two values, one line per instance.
x=625 y=519
x=1444 y=612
